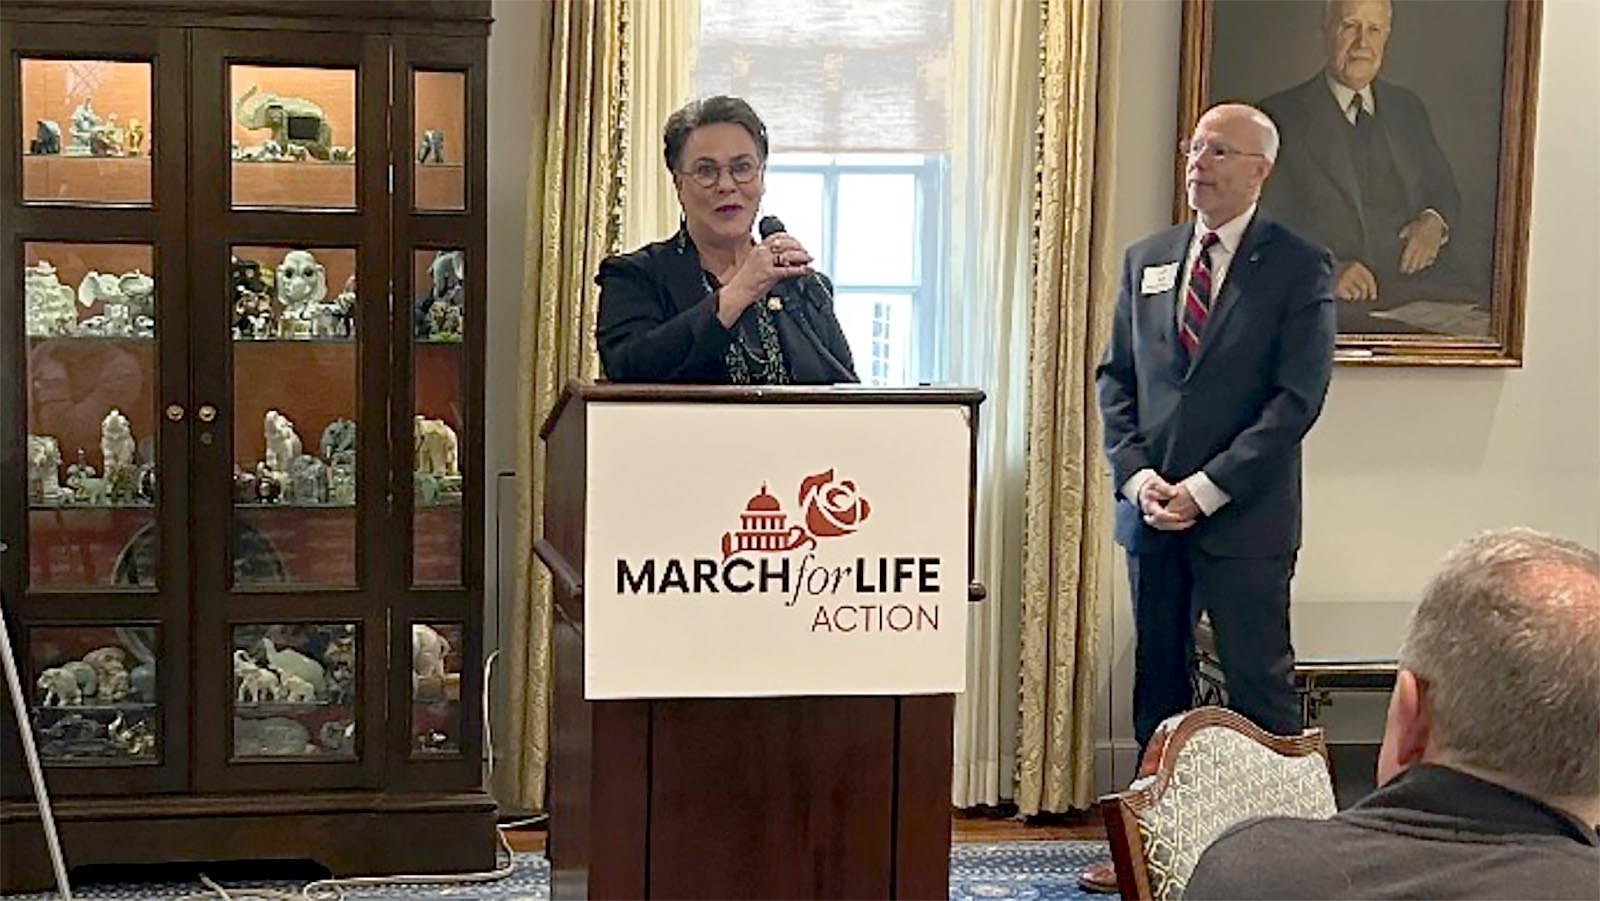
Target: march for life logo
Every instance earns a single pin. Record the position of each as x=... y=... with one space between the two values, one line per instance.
x=770 y=556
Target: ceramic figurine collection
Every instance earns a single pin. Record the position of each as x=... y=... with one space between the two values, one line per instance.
x=290 y=300
x=98 y=705
x=123 y=480
x=91 y=135
x=438 y=314
x=127 y=303
x=293 y=689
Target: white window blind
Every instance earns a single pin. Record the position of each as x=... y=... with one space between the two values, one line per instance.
x=833 y=76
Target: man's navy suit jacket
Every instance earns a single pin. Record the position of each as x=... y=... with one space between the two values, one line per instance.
x=1239 y=410
x=1314 y=188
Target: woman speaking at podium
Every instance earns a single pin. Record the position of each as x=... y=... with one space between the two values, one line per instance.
x=712 y=304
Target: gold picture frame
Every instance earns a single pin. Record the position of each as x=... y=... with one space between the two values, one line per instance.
x=1467 y=308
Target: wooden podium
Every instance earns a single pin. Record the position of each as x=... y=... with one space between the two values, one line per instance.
x=699 y=793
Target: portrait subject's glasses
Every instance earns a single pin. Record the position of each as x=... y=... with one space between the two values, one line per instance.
x=706 y=174
x=1216 y=153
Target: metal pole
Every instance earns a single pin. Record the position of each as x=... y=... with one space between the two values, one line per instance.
x=35 y=771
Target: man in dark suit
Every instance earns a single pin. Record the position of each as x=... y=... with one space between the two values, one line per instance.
x=1360 y=170
x=1220 y=353
x=1490 y=766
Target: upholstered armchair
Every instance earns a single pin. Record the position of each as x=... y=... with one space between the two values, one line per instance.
x=1202 y=772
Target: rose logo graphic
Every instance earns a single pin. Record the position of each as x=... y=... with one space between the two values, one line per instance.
x=832 y=509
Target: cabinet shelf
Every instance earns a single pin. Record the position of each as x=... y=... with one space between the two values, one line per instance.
x=116 y=707
x=125 y=505
x=298 y=505
x=87 y=339
x=318 y=341
x=281 y=708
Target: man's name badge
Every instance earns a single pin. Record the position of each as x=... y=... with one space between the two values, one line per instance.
x=1158 y=279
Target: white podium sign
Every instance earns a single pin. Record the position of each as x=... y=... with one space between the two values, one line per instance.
x=737 y=550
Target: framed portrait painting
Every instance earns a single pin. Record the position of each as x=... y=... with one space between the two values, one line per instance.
x=1406 y=149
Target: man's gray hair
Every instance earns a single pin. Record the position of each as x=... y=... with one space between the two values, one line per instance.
x=1506 y=640
x=1269 y=135
x=1333 y=11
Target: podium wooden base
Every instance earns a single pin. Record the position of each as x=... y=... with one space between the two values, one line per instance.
x=831 y=797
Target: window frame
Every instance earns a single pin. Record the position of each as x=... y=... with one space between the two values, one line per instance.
x=929 y=297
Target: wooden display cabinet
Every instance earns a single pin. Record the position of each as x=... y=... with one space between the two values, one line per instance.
x=241 y=439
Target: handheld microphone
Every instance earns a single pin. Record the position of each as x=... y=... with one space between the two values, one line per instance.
x=771 y=225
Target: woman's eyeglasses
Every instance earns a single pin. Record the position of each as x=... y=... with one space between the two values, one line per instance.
x=706 y=174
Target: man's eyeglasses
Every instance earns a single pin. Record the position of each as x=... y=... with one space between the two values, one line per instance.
x=1216 y=153
x=706 y=174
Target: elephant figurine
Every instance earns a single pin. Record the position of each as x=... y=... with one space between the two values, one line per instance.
x=61 y=686
x=293 y=121
x=46 y=138
x=431 y=147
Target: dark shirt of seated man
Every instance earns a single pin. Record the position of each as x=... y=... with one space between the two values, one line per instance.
x=1433 y=832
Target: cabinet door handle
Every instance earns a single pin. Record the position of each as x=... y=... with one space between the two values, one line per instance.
x=207 y=413
x=175 y=412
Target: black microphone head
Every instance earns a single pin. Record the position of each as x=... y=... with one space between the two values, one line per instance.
x=770 y=225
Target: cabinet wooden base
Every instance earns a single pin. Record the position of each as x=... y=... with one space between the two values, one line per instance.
x=350 y=833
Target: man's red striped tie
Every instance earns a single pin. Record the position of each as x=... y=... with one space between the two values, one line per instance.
x=1197 y=299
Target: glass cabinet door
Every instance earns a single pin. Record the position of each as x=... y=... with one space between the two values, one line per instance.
x=87 y=135
x=293 y=339
x=291 y=368
x=94 y=520
x=92 y=416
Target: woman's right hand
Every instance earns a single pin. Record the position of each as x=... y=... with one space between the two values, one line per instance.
x=776 y=258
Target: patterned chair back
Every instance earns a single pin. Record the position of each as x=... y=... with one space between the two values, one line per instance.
x=1205 y=771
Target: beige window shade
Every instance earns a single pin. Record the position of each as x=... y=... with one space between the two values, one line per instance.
x=833 y=76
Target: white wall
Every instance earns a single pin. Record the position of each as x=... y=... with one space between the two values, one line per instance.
x=514 y=91
x=1405 y=462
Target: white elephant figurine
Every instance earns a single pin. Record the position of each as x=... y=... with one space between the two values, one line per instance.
x=96 y=287
x=260 y=684
x=435 y=447
x=62 y=686
x=283 y=443
x=290 y=660
x=297 y=690
x=428 y=651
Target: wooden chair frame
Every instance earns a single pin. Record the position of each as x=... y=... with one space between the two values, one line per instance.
x=1121 y=809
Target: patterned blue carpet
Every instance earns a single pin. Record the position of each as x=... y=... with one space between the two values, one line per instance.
x=1045 y=871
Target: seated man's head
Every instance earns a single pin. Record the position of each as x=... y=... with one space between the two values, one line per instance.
x=1500 y=672
x=1354 y=34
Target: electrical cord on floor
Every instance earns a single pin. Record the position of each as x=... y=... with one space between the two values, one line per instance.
x=334 y=889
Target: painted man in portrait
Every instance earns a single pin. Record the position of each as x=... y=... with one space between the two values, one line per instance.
x=1361 y=172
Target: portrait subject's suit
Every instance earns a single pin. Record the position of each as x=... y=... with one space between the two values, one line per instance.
x=1237 y=411
x=1320 y=188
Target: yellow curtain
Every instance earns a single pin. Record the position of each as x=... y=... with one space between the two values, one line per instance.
x=992 y=164
x=574 y=220
x=1068 y=496
x=661 y=55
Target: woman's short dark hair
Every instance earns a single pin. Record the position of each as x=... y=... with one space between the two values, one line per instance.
x=709 y=112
